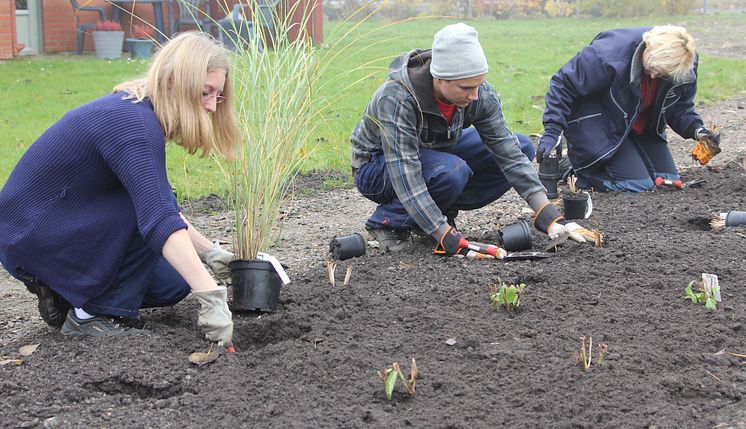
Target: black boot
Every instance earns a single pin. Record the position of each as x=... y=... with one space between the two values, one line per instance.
x=52 y=307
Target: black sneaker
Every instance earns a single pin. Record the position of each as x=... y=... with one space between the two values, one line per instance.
x=97 y=326
x=391 y=240
x=52 y=307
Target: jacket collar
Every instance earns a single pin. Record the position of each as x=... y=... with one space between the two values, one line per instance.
x=412 y=70
x=637 y=69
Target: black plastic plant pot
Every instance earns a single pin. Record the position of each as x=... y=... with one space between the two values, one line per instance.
x=256 y=285
x=575 y=206
x=549 y=174
x=515 y=237
x=347 y=247
x=735 y=218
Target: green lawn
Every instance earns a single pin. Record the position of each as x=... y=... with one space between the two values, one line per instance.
x=523 y=54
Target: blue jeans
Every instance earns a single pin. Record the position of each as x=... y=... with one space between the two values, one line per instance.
x=465 y=178
x=633 y=168
x=144 y=280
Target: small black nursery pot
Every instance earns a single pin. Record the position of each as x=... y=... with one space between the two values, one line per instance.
x=515 y=237
x=577 y=206
x=549 y=174
x=347 y=247
x=256 y=285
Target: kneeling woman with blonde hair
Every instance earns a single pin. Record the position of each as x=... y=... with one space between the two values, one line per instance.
x=88 y=219
x=613 y=102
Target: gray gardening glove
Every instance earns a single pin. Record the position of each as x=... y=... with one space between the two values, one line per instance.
x=214 y=315
x=218 y=259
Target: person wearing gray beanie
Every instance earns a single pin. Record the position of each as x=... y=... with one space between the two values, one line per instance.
x=433 y=141
x=457 y=53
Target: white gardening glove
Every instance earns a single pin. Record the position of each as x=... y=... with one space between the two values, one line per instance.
x=572 y=229
x=218 y=259
x=214 y=316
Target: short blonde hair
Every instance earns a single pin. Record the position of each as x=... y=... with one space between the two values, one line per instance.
x=670 y=50
x=174 y=83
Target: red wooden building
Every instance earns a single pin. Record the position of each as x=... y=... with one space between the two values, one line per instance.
x=29 y=27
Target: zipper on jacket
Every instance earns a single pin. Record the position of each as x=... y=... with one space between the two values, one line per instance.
x=611 y=93
x=582 y=118
x=664 y=107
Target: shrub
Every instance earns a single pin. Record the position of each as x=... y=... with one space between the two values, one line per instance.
x=509 y=8
x=556 y=8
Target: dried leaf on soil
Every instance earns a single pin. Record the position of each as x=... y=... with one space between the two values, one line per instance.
x=202 y=358
x=28 y=350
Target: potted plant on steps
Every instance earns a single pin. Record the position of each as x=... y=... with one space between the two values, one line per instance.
x=108 y=39
x=141 y=43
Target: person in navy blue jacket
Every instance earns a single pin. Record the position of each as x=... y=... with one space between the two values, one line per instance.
x=88 y=219
x=613 y=102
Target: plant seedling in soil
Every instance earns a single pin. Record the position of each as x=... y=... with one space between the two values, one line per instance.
x=508 y=296
x=348 y=274
x=331 y=267
x=584 y=356
x=702 y=294
x=390 y=375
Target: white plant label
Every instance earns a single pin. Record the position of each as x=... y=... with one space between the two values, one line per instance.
x=712 y=286
x=276 y=264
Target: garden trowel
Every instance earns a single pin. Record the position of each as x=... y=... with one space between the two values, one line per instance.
x=557 y=241
x=525 y=256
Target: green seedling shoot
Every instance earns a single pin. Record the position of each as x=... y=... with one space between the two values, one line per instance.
x=701 y=294
x=584 y=355
x=390 y=375
x=504 y=295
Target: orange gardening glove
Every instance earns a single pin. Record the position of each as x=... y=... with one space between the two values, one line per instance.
x=708 y=145
x=449 y=243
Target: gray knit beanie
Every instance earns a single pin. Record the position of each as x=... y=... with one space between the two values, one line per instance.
x=457 y=53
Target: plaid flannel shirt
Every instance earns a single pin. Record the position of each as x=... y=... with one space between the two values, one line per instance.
x=402 y=117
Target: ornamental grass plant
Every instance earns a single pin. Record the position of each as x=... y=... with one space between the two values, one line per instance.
x=282 y=95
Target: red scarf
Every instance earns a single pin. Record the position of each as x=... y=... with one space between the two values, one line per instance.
x=647 y=88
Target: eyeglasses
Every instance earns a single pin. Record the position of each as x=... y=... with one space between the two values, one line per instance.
x=207 y=96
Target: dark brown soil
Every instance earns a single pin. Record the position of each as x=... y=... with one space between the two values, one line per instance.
x=313 y=362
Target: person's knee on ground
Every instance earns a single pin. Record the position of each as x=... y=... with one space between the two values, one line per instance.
x=589 y=182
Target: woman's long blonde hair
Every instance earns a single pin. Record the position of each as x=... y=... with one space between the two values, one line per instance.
x=670 y=50
x=174 y=84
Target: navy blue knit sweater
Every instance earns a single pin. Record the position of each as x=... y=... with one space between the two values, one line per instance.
x=79 y=194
